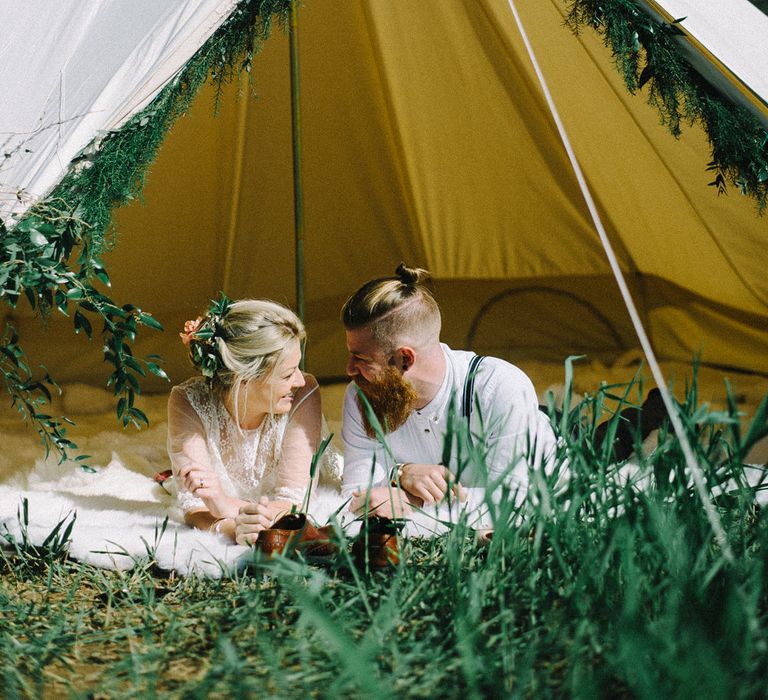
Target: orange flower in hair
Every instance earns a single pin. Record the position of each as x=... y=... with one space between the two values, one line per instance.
x=190 y=328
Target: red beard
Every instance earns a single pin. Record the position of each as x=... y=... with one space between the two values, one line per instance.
x=391 y=397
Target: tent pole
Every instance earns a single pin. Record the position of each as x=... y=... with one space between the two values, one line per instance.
x=298 y=195
x=237 y=186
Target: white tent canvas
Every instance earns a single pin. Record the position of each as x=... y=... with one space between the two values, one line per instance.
x=82 y=72
x=736 y=37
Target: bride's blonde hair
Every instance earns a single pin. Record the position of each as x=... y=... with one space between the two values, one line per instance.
x=251 y=339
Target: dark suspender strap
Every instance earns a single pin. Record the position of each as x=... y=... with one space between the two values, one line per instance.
x=469 y=386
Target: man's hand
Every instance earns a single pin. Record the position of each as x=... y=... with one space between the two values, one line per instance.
x=430 y=482
x=255 y=517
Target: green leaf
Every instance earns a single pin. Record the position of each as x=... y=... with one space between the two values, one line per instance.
x=101 y=273
x=758 y=428
x=645 y=76
x=150 y=321
x=28 y=224
x=37 y=238
x=81 y=322
x=157 y=370
x=11 y=356
x=113 y=310
x=62 y=302
x=139 y=417
x=134 y=365
x=48 y=229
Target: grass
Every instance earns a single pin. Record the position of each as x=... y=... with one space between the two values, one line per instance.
x=606 y=584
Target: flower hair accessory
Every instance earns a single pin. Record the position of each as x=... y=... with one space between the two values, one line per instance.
x=199 y=336
x=190 y=328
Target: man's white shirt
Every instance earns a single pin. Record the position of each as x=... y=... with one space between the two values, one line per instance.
x=505 y=410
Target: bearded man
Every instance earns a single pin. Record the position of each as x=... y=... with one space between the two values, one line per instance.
x=418 y=391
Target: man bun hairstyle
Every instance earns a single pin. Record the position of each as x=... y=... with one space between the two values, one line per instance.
x=412 y=275
x=399 y=309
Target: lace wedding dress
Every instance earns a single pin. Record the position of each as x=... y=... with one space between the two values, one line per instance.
x=248 y=463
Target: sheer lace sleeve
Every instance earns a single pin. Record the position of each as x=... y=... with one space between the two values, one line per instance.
x=301 y=440
x=186 y=443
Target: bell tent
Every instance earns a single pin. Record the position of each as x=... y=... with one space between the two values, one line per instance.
x=425 y=138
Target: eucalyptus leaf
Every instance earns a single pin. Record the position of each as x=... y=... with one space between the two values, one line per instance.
x=157 y=370
x=150 y=321
x=101 y=273
x=134 y=365
x=37 y=238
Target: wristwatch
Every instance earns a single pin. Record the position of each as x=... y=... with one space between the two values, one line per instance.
x=397 y=473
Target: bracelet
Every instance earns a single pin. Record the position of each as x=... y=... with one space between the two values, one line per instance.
x=215 y=526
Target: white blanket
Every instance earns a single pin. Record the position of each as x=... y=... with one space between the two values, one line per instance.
x=120 y=511
x=121 y=517
x=119 y=520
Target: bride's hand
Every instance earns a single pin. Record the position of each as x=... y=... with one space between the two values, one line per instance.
x=255 y=517
x=205 y=484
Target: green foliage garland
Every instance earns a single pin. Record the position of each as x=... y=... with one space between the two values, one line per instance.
x=647 y=55
x=52 y=257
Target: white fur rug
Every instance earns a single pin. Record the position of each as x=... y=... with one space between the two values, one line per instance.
x=120 y=512
x=119 y=519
